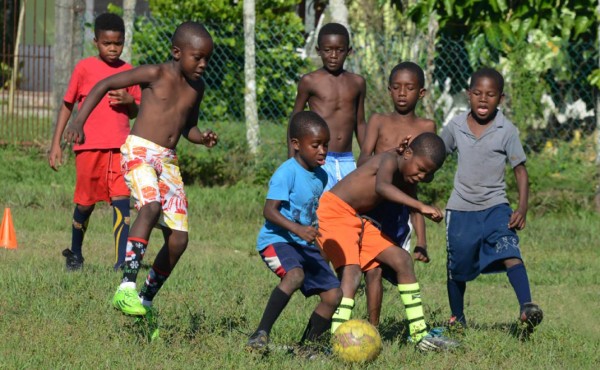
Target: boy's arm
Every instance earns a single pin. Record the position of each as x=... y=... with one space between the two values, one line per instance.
x=518 y=218
x=386 y=189
x=272 y=214
x=55 y=153
x=361 y=126
x=191 y=131
x=370 y=140
x=122 y=97
x=136 y=76
x=302 y=96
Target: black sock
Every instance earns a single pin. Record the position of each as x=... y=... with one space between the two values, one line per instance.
x=80 y=222
x=456 y=294
x=275 y=306
x=136 y=248
x=317 y=325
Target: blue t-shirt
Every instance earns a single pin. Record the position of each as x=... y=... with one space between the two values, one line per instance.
x=299 y=191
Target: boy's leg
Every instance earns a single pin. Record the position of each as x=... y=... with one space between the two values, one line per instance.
x=126 y=298
x=410 y=293
x=121 y=217
x=531 y=313
x=374 y=294
x=319 y=321
x=350 y=279
x=81 y=217
x=175 y=244
x=456 y=294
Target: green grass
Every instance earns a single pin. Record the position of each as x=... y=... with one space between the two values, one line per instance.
x=215 y=297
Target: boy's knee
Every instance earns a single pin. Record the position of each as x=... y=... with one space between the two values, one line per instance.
x=294 y=278
x=150 y=211
x=350 y=275
x=178 y=242
x=332 y=297
x=86 y=209
x=373 y=275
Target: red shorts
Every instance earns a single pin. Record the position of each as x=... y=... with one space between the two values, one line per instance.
x=99 y=176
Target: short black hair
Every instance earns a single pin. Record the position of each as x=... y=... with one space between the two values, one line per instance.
x=431 y=146
x=333 y=29
x=411 y=67
x=302 y=122
x=186 y=30
x=489 y=73
x=108 y=22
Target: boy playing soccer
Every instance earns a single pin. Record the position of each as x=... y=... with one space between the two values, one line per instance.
x=286 y=242
x=98 y=160
x=171 y=96
x=354 y=244
x=480 y=225
x=336 y=95
x=385 y=132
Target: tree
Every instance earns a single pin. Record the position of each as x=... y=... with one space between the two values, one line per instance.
x=128 y=18
x=251 y=113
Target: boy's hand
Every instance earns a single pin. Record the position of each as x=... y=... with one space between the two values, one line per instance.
x=74 y=134
x=55 y=157
x=209 y=138
x=420 y=254
x=432 y=212
x=307 y=233
x=401 y=148
x=120 y=97
x=517 y=220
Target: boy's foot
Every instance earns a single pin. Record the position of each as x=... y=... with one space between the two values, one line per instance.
x=456 y=326
x=258 y=342
x=308 y=352
x=435 y=341
x=127 y=301
x=531 y=316
x=74 y=262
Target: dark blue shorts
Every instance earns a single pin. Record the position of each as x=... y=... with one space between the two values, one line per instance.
x=478 y=242
x=318 y=276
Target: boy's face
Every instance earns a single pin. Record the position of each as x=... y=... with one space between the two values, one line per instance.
x=405 y=91
x=484 y=98
x=193 y=57
x=311 y=149
x=417 y=168
x=110 y=45
x=333 y=50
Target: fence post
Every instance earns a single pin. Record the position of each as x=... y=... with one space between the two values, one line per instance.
x=250 y=110
x=597 y=196
x=128 y=17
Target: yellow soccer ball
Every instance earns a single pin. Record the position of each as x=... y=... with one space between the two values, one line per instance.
x=356 y=341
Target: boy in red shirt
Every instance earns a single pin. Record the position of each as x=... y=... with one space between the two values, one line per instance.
x=98 y=160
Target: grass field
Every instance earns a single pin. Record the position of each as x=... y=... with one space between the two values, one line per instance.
x=215 y=297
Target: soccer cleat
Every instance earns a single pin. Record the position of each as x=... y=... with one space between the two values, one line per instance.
x=74 y=262
x=435 y=341
x=456 y=326
x=258 y=342
x=127 y=301
x=531 y=316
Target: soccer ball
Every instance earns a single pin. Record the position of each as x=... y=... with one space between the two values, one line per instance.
x=356 y=341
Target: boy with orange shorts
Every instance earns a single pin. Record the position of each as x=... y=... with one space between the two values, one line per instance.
x=354 y=244
x=98 y=160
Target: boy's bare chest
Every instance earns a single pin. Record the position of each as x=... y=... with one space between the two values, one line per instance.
x=392 y=134
x=338 y=93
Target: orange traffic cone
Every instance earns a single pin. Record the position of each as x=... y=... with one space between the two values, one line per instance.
x=8 y=238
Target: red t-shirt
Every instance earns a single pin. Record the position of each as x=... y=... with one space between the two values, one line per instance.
x=107 y=126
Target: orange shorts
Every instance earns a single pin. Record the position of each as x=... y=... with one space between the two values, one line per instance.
x=99 y=176
x=346 y=238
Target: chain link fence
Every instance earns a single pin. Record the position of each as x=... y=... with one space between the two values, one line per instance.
x=547 y=92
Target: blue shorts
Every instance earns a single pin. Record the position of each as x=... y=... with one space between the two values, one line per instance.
x=478 y=242
x=338 y=165
x=318 y=276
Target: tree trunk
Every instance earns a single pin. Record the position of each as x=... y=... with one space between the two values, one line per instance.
x=597 y=197
x=128 y=18
x=15 y=70
x=339 y=12
x=250 y=109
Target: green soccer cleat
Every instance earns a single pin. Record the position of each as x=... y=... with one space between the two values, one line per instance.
x=127 y=301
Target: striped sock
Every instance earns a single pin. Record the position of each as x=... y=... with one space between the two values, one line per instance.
x=342 y=314
x=120 y=230
x=411 y=298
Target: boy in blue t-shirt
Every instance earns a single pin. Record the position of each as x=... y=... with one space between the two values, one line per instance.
x=286 y=242
x=480 y=225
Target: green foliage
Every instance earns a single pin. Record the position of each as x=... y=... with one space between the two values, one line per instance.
x=278 y=34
